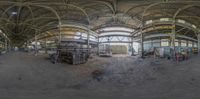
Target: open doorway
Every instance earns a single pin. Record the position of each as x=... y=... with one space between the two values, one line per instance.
x=118 y=41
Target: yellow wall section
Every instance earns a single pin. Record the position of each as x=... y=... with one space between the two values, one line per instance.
x=119 y=49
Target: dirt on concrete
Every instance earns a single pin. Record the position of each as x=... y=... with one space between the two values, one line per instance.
x=25 y=76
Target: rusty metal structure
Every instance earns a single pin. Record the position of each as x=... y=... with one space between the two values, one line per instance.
x=71 y=51
x=25 y=20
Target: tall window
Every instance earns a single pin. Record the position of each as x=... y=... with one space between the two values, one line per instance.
x=183 y=43
x=164 y=42
x=190 y=44
x=149 y=22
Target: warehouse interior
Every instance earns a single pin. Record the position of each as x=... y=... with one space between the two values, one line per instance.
x=99 y=49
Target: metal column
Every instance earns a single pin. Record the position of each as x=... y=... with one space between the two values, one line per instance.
x=199 y=42
x=98 y=46
x=132 y=49
x=173 y=38
x=88 y=40
x=142 y=43
x=45 y=45
x=36 y=47
x=6 y=45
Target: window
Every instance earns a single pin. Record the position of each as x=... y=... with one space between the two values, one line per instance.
x=149 y=22
x=156 y=43
x=51 y=42
x=194 y=26
x=183 y=43
x=147 y=46
x=189 y=44
x=176 y=42
x=164 y=19
x=14 y=13
x=195 y=44
x=34 y=43
x=181 y=21
x=164 y=42
x=115 y=35
x=103 y=39
x=93 y=38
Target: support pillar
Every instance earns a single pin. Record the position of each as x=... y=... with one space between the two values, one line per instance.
x=60 y=34
x=173 y=38
x=36 y=47
x=45 y=45
x=27 y=44
x=142 y=44
x=98 y=50
x=88 y=40
x=199 y=42
x=132 y=49
x=6 y=45
x=9 y=46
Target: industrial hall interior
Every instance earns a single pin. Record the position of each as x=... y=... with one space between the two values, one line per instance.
x=99 y=49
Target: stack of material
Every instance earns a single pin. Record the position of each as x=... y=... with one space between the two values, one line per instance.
x=72 y=52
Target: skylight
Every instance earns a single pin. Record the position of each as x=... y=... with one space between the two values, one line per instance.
x=114 y=33
x=117 y=29
x=14 y=13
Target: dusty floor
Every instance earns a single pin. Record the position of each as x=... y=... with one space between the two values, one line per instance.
x=25 y=76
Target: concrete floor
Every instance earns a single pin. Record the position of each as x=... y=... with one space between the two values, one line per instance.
x=25 y=76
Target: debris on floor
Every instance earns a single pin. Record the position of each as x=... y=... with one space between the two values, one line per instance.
x=97 y=75
x=128 y=76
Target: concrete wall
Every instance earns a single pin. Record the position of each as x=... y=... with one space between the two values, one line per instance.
x=119 y=49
